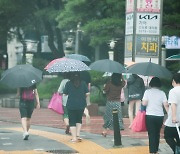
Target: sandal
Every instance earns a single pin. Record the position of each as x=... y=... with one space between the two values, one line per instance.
x=79 y=138
x=73 y=141
x=104 y=134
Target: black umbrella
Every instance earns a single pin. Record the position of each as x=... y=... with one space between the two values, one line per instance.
x=149 y=69
x=107 y=65
x=21 y=76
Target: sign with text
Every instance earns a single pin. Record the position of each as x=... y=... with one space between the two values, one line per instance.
x=129 y=24
x=128 y=45
x=148 y=23
x=172 y=42
x=148 y=6
x=147 y=45
x=129 y=6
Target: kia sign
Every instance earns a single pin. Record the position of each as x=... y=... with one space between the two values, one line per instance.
x=148 y=23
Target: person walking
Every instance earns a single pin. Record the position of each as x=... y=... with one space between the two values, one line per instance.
x=154 y=99
x=112 y=89
x=85 y=76
x=77 y=92
x=136 y=88
x=170 y=132
x=66 y=77
x=26 y=107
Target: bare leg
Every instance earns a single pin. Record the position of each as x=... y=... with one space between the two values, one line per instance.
x=86 y=112
x=138 y=104
x=104 y=133
x=130 y=112
x=78 y=129
x=24 y=124
x=73 y=133
x=66 y=121
x=28 y=124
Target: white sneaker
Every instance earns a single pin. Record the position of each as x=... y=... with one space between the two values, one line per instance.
x=25 y=136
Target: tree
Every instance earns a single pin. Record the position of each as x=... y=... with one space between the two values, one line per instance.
x=171 y=17
x=34 y=15
x=101 y=20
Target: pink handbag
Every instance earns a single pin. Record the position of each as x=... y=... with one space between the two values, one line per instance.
x=55 y=103
x=139 y=122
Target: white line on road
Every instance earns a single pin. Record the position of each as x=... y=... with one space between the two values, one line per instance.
x=7 y=143
x=5 y=138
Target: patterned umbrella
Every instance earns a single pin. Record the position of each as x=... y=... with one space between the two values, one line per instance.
x=53 y=62
x=78 y=57
x=67 y=65
x=21 y=76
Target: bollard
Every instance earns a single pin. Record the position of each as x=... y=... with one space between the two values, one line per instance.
x=117 y=134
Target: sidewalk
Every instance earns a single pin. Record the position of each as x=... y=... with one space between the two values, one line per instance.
x=46 y=122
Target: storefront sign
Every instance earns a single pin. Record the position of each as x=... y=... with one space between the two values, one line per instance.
x=147 y=45
x=148 y=24
x=148 y=6
x=129 y=24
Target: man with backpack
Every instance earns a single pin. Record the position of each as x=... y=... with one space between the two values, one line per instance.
x=26 y=107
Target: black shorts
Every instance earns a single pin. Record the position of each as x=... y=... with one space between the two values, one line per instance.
x=26 y=108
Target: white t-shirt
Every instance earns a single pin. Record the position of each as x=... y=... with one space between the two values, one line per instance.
x=60 y=90
x=155 y=98
x=174 y=97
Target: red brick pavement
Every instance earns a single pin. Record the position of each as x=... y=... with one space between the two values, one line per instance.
x=46 y=117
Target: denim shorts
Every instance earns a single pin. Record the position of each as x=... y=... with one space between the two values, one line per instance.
x=26 y=108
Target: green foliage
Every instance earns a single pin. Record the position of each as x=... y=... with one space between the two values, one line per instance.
x=40 y=64
x=98 y=98
x=100 y=20
x=171 y=17
x=48 y=86
x=97 y=79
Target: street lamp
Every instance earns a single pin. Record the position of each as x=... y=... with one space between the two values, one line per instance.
x=29 y=46
x=78 y=31
x=111 y=46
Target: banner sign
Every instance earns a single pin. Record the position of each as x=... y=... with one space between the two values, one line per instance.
x=148 y=6
x=129 y=24
x=172 y=42
x=129 y=6
x=128 y=45
x=147 y=45
x=148 y=23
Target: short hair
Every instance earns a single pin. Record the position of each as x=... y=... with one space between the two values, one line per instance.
x=155 y=82
x=176 y=78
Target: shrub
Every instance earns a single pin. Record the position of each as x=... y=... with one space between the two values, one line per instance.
x=48 y=86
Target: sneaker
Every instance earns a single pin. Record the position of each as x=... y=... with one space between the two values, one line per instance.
x=25 y=136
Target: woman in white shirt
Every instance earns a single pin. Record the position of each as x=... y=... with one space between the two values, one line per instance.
x=154 y=99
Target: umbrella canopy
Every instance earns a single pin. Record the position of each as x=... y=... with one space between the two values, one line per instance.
x=174 y=58
x=21 y=76
x=53 y=62
x=78 y=57
x=149 y=69
x=107 y=65
x=67 y=65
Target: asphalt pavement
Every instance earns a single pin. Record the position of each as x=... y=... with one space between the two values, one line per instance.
x=47 y=135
